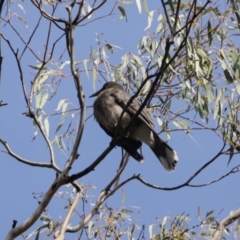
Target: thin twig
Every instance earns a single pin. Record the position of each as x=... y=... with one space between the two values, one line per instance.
x=25 y=161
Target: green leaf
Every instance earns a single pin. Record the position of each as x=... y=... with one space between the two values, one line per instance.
x=126 y=2
x=64 y=110
x=228 y=76
x=164 y=221
x=51 y=2
x=226 y=230
x=125 y=210
x=55 y=142
x=122 y=11
x=106 y=69
x=46 y=126
x=109 y=47
x=85 y=66
x=218 y=104
x=61 y=143
x=146 y=87
x=210 y=219
x=22 y=20
x=42 y=78
x=168 y=105
x=145 y=6
x=60 y=104
x=150 y=18
x=21 y=7
x=45 y=219
x=38 y=67
x=181 y=124
x=160 y=123
x=89 y=9
x=38 y=100
x=94 y=72
x=210 y=38
x=140 y=65
x=171 y=6
x=44 y=99
x=39 y=83
x=209 y=213
x=138 y=2
x=59 y=127
x=209 y=93
x=217 y=110
x=150 y=229
x=90 y=225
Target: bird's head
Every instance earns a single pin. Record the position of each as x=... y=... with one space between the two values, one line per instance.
x=106 y=86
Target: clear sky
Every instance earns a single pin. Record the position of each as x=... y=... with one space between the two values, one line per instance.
x=20 y=181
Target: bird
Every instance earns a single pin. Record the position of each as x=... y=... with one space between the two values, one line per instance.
x=108 y=107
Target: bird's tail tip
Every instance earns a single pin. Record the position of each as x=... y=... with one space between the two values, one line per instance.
x=170 y=159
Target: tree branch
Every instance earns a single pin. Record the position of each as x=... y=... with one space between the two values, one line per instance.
x=25 y=161
x=60 y=234
x=90 y=167
x=41 y=207
x=80 y=94
x=233 y=216
x=187 y=183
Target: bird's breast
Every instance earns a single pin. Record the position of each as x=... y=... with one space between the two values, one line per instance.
x=107 y=112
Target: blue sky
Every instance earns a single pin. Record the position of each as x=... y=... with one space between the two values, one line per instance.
x=21 y=181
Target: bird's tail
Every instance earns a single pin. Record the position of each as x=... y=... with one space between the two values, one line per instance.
x=167 y=156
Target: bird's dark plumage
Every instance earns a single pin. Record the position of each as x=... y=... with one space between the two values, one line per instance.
x=108 y=107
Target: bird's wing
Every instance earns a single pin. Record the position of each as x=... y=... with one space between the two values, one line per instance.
x=122 y=99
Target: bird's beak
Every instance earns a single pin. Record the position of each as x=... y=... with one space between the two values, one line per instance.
x=96 y=93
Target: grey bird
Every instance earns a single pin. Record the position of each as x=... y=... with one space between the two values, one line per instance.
x=108 y=107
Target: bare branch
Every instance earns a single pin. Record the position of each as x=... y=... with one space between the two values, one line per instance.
x=105 y=194
x=233 y=216
x=15 y=53
x=48 y=16
x=92 y=166
x=78 y=84
x=236 y=169
x=25 y=161
x=176 y=17
x=29 y=101
x=41 y=207
x=166 y=15
x=21 y=38
x=60 y=234
x=94 y=211
x=90 y=12
x=29 y=40
x=119 y=172
x=187 y=183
